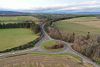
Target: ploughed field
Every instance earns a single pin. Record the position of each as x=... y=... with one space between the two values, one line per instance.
x=43 y=60
x=81 y=25
x=10 y=38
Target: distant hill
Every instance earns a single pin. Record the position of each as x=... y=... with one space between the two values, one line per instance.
x=13 y=13
x=46 y=11
x=55 y=11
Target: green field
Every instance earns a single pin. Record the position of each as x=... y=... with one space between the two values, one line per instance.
x=84 y=19
x=79 y=25
x=49 y=44
x=10 y=38
x=17 y=18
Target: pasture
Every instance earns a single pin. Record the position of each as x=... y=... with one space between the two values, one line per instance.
x=10 y=38
x=17 y=18
x=81 y=25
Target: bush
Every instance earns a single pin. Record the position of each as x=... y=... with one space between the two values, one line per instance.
x=54 y=33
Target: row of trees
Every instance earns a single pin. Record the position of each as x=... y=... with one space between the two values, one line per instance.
x=61 y=35
x=88 y=45
x=34 y=27
x=22 y=47
x=15 y=25
x=20 y=22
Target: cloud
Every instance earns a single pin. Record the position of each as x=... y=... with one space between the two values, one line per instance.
x=14 y=4
x=82 y=6
x=49 y=4
x=28 y=4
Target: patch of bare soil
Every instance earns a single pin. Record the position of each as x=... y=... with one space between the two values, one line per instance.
x=30 y=60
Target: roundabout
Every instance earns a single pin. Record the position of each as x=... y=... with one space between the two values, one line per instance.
x=53 y=46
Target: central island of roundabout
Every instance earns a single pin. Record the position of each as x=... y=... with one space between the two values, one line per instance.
x=53 y=46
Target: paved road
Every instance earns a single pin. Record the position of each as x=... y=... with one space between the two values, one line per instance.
x=37 y=48
x=68 y=49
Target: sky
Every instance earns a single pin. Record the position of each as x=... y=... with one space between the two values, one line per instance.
x=38 y=4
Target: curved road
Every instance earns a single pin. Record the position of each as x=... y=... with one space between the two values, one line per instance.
x=38 y=48
x=68 y=49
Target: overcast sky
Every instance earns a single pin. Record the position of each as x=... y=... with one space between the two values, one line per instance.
x=33 y=4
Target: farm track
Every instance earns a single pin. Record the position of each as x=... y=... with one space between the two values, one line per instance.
x=38 y=48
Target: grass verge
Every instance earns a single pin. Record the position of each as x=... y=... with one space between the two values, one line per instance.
x=51 y=45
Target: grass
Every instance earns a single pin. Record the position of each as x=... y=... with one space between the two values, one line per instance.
x=71 y=26
x=10 y=38
x=47 y=44
x=84 y=19
x=98 y=62
x=74 y=57
x=17 y=18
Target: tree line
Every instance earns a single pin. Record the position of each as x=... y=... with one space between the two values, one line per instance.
x=88 y=44
x=22 y=47
x=14 y=25
x=34 y=27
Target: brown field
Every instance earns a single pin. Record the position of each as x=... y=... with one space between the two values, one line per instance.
x=89 y=21
x=80 y=26
x=30 y=60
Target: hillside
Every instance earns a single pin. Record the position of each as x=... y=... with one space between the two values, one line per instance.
x=5 y=12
